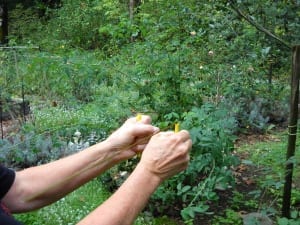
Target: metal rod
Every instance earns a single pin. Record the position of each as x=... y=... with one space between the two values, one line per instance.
x=19 y=47
x=23 y=110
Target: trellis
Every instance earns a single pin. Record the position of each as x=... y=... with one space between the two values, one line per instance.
x=24 y=105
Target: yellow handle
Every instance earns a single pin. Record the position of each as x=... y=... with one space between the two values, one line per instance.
x=138 y=117
x=177 y=127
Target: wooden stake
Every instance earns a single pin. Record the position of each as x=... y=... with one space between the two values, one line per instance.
x=292 y=135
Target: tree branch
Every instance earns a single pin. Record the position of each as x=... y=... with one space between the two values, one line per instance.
x=258 y=26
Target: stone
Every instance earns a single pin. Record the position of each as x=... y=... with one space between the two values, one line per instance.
x=256 y=218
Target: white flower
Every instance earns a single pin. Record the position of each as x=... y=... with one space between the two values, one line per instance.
x=123 y=173
x=193 y=33
x=77 y=134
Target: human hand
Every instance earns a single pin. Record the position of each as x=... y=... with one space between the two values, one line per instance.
x=132 y=137
x=167 y=154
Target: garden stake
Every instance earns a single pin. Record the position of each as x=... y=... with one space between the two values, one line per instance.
x=292 y=135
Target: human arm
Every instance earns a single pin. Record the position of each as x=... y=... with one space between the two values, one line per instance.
x=38 y=186
x=166 y=154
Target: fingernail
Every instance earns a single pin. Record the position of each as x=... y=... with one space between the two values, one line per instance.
x=155 y=129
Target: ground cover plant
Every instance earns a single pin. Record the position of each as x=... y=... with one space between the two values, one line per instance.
x=262 y=157
x=95 y=63
x=71 y=209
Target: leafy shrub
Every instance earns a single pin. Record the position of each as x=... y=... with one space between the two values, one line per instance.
x=189 y=55
x=30 y=149
x=46 y=136
x=21 y=30
x=73 y=24
x=294 y=220
x=211 y=129
x=24 y=150
x=256 y=109
x=88 y=25
x=231 y=217
x=65 y=77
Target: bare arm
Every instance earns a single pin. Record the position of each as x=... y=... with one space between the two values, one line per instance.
x=165 y=155
x=42 y=185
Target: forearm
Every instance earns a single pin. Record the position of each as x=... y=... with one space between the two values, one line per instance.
x=39 y=186
x=42 y=185
x=126 y=203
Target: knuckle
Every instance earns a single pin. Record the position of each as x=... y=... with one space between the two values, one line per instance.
x=182 y=151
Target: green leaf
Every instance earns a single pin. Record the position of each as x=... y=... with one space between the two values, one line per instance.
x=283 y=221
x=186 y=188
x=247 y=162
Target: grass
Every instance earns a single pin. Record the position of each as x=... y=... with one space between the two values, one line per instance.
x=269 y=158
x=68 y=210
x=76 y=205
x=266 y=157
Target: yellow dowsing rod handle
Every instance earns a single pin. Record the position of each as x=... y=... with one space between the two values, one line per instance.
x=138 y=117
x=177 y=127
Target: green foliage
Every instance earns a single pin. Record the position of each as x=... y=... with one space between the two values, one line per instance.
x=21 y=30
x=192 y=52
x=29 y=149
x=253 y=100
x=241 y=201
x=269 y=157
x=49 y=134
x=159 y=79
x=171 y=61
x=145 y=219
x=89 y=25
x=284 y=24
x=230 y=217
x=211 y=130
x=266 y=157
x=63 y=76
x=76 y=23
x=70 y=209
x=294 y=220
x=78 y=204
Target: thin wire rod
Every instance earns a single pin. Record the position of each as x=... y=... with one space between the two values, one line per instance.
x=19 y=47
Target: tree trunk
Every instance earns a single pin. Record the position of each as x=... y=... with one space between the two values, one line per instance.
x=131 y=10
x=4 y=22
x=286 y=204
